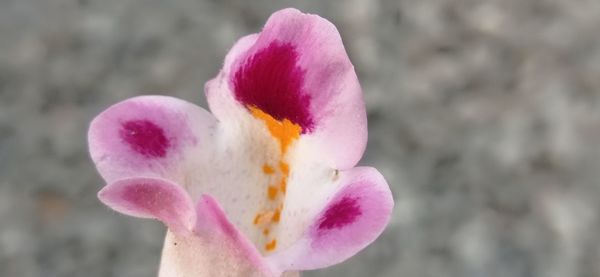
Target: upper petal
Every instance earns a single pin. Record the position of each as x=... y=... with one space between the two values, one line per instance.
x=297 y=69
x=155 y=136
x=290 y=113
x=350 y=218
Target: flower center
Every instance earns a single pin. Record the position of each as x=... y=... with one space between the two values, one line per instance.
x=285 y=132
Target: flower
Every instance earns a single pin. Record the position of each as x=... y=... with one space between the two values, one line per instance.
x=264 y=185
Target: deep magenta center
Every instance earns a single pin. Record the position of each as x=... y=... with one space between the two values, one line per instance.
x=145 y=138
x=272 y=81
x=340 y=214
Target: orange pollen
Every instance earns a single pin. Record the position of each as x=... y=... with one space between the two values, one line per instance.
x=276 y=215
x=283 y=185
x=264 y=217
x=272 y=192
x=256 y=219
x=271 y=245
x=268 y=169
x=284 y=131
x=285 y=168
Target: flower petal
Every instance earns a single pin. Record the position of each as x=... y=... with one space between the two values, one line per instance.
x=353 y=217
x=150 y=136
x=212 y=219
x=297 y=69
x=290 y=112
x=151 y=198
x=216 y=248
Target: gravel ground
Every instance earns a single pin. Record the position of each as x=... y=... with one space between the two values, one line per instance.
x=484 y=117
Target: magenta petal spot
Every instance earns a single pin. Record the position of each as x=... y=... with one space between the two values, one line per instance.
x=145 y=138
x=271 y=81
x=340 y=214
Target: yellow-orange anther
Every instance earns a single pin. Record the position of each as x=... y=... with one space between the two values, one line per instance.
x=264 y=217
x=270 y=246
x=283 y=185
x=257 y=219
x=285 y=168
x=276 y=215
x=284 y=131
x=272 y=192
x=268 y=169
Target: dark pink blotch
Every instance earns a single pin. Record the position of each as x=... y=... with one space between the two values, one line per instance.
x=145 y=138
x=340 y=214
x=272 y=81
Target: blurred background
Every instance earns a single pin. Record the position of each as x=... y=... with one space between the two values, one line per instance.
x=484 y=116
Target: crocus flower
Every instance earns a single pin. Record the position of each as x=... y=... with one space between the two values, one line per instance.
x=264 y=185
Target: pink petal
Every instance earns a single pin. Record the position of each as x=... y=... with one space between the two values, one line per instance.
x=212 y=219
x=353 y=217
x=148 y=136
x=297 y=69
x=200 y=256
x=151 y=198
x=216 y=248
x=221 y=102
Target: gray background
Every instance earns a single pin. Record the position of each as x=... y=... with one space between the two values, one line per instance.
x=484 y=117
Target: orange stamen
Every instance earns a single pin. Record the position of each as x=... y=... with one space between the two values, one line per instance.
x=284 y=131
x=256 y=219
x=268 y=169
x=283 y=185
x=271 y=245
x=272 y=192
x=264 y=217
x=276 y=215
x=285 y=168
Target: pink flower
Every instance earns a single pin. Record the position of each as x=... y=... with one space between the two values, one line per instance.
x=264 y=185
